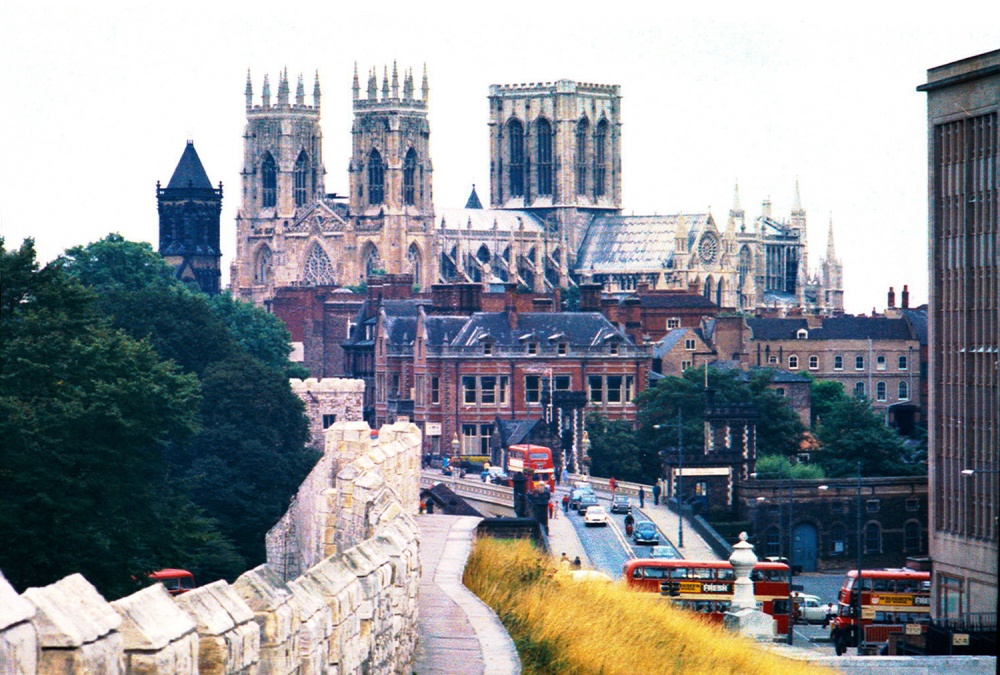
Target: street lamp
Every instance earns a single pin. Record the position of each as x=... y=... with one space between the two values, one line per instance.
x=791 y=554
x=680 y=474
x=858 y=584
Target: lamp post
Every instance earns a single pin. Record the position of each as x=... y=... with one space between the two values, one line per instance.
x=791 y=557
x=858 y=583
x=680 y=474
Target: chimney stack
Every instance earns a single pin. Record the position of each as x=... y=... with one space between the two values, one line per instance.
x=906 y=296
x=892 y=298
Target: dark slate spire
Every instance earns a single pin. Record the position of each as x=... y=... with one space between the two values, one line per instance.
x=473 y=202
x=189 y=172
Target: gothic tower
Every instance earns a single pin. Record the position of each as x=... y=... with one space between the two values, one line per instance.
x=282 y=179
x=189 y=209
x=391 y=195
x=555 y=150
x=831 y=278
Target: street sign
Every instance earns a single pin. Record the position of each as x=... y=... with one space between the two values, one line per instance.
x=914 y=629
x=867 y=612
x=433 y=428
x=960 y=639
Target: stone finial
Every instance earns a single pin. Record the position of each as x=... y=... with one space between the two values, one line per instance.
x=395 y=80
x=424 y=87
x=283 y=87
x=356 y=87
x=300 y=92
x=372 y=85
x=316 y=91
x=249 y=90
x=266 y=94
x=743 y=560
x=385 y=83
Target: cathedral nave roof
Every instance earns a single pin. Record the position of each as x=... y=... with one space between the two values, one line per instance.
x=635 y=243
x=482 y=220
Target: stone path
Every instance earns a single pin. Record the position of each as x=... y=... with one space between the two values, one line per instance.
x=457 y=633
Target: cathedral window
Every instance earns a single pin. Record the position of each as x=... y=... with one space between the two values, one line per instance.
x=376 y=178
x=600 y=158
x=301 y=178
x=582 y=130
x=269 y=182
x=262 y=270
x=318 y=269
x=413 y=258
x=373 y=262
x=409 y=175
x=515 y=138
x=544 y=132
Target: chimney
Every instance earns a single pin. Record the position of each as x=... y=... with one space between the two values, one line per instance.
x=891 y=303
x=590 y=297
x=511 y=312
x=906 y=297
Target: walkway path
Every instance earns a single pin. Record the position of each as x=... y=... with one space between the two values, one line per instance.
x=695 y=548
x=457 y=633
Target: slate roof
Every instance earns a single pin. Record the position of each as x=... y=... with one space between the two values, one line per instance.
x=838 y=328
x=473 y=202
x=614 y=243
x=482 y=220
x=580 y=329
x=513 y=432
x=918 y=322
x=676 y=301
x=189 y=172
x=669 y=341
x=442 y=329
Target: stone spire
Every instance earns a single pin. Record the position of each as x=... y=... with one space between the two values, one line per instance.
x=372 y=85
x=283 y=88
x=737 y=218
x=408 y=84
x=831 y=253
x=266 y=95
x=316 y=91
x=300 y=92
x=385 y=83
x=425 y=88
x=395 y=81
x=249 y=90
x=797 y=204
x=356 y=87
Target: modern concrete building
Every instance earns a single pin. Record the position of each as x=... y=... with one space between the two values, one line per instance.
x=963 y=117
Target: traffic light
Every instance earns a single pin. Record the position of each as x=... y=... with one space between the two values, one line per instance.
x=670 y=588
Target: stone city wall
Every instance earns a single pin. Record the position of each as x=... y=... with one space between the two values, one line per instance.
x=350 y=613
x=336 y=399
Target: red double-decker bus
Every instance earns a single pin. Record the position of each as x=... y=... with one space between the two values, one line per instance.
x=890 y=599
x=707 y=586
x=539 y=459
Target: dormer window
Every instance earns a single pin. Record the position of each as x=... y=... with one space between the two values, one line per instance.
x=613 y=349
x=562 y=348
x=802 y=334
x=532 y=348
x=487 y=348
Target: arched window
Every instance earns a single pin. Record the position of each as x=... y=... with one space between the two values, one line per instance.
x=880 y=391
x=515 y=139
x=372 y=261
x=912 y=538
x=582 y=131
x=873 y=538
x=543 y=131
x=707 y=291
x=262 y=270
x=600 y=158
x=376 y=178
x=793 y=362
x=318 y=270
x=483 y=254
x=268 y=182
x=414 y=259
x=409 y=177
x=301 y=178
x=904 y=391
x=718 y=292
x=859 y=389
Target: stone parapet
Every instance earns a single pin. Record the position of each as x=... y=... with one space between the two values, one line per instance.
x=158 y=637
x=18 y=636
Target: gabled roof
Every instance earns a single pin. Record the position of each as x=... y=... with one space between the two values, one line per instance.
x=776 y=329
x=189 y=172
x=473 y=202
x=635 y=243
x=837 y=328
x=676 y=301
x=669 y=341
x=513 y=432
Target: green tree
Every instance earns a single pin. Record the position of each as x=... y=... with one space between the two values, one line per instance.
x=614 y=450
x=851 y=431
x=824 y=396
x=85 y=413
x=770 y=467
x=260 y=334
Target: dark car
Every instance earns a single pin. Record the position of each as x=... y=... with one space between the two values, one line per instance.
x=621 y=504
x=574 y=498
x=645 y=533
x=587 y=499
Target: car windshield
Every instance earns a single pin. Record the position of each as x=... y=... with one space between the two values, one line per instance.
x=645 y=527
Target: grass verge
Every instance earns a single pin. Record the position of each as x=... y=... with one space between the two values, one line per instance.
x=564 y=627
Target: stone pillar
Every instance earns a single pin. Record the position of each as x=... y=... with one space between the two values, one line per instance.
x=743 y=616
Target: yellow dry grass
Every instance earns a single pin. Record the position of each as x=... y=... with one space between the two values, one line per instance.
x=560 y=626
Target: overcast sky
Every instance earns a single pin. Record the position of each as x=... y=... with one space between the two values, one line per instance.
x=98 y=100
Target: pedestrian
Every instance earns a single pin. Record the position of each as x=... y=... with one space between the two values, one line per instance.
x=576 y=563
x=656 y=493
x=612 y=484
x=642 y=498
x=552 y=510
x=565 y=475
x=565 y=503
x=564 y=561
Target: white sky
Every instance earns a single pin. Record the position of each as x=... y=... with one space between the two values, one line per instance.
x=99 y=99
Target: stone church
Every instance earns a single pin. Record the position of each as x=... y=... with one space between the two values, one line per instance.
x=555 y=216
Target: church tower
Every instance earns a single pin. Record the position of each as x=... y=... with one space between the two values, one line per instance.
x=555 y=151
x=391 y=195
x=189 y=210
x=831 y=278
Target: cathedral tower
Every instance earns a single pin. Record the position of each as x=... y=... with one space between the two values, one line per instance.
x=555 y=150
x=189 y=209
x=831 y=278
x=391 y=195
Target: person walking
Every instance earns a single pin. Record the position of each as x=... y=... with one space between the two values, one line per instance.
x=565 y=503
x=564 y=561
x=613 y=485
x=656 y=493
x=576 y=563
x=642 y=497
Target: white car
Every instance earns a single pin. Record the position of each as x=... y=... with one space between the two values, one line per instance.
x=809 y=609
x=595 y=515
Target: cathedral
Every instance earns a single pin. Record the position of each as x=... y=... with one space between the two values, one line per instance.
x=555 y=218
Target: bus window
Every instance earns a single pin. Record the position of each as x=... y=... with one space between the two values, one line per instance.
x=906 y=586
x=654 y=572
x=678 y=573
x=866 y=584
x=756 y=575
x=881 y=585
x=780 y=606
x=637 y=573
x=726 y=574
x=701 y=573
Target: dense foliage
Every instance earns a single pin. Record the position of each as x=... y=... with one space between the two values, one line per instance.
x=145 y=424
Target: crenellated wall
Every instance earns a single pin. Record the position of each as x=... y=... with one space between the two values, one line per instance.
x=353 y=610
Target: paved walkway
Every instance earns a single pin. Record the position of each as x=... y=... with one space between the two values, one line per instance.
x=457 y=633
x=695 y=548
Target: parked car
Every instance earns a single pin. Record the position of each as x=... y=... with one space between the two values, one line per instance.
x=574 y=498
x=595 y=515
x=621 y=504
x=645 y=533
x=587 y=500
x=809 y=609
x=663 y=552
